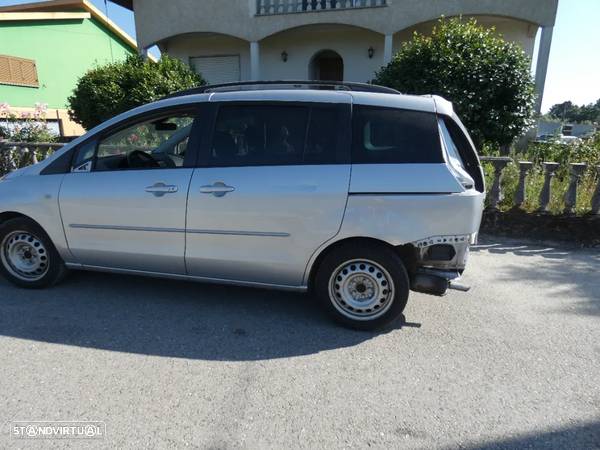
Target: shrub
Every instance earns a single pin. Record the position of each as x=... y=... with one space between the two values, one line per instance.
x=26 y=126
x=108 y=90
x=487 y=78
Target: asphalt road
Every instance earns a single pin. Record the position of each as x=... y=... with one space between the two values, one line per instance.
x=514 y=363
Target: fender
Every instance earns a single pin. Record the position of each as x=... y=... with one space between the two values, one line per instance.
x=36 y=197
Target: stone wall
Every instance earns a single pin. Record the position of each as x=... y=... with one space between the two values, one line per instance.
x=584 y=230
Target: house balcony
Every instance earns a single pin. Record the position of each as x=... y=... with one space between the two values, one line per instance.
x=272 y=7
x=256 y=20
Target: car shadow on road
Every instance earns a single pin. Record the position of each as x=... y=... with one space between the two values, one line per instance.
x=173 y=318
x=578 y=436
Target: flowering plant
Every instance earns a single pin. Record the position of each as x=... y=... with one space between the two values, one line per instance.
x=26 y=126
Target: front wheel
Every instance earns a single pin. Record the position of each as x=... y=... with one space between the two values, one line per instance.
x=363 y=285
x=27 y=256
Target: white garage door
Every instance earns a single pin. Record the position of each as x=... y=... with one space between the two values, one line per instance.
x=217 y=69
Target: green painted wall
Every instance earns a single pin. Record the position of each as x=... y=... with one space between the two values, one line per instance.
x=63 y=51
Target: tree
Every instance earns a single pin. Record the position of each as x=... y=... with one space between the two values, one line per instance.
x=569 y=112
x=562 y=110
x=487 y=79
x=108 y=90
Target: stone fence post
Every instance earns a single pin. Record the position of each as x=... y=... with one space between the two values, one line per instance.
x=549 y=172
x=524 y=168
x=596 y=197
x=495 y=194
x=571 y=195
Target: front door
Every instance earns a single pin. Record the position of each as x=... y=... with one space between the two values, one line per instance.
x=123 y=206
x=327 y=66
x=272 y=189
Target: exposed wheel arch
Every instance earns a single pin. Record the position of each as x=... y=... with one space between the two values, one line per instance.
x=9 y=215
x=406 y=252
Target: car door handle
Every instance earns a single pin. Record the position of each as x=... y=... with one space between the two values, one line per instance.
x=217 y=189
x=160 y=189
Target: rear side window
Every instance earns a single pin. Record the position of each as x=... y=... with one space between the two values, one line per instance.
x=451 y=147
x=461 y=151
x=258 y=135
x=388 y=135
x=322 y=136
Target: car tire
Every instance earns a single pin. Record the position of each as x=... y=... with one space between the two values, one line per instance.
x=28 y=258
x=363 y=285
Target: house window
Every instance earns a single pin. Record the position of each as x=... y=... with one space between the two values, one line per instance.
x=18 y=71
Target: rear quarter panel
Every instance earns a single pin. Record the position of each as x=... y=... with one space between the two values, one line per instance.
x=403 y=178
x=401 y=219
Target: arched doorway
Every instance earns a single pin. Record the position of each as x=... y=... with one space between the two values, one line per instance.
x=326 y=65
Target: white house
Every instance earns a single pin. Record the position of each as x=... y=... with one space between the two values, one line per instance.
x=233 y=40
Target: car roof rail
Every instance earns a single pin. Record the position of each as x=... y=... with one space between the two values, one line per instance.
x=285 y=84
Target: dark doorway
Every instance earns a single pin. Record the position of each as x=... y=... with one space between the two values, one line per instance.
x=327 y=65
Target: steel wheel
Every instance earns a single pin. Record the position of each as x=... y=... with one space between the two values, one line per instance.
x=25 y=256
x=361 y=289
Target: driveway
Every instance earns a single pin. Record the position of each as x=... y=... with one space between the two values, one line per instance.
x=513 y=363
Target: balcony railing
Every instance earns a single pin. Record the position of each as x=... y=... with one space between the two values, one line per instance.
x=14 y=155
x=270 y=7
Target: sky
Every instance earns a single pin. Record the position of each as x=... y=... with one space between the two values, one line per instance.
x=573 y=70
x=574 y=67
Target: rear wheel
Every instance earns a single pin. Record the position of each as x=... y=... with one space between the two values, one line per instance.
x=363 y=286
x=27 y=256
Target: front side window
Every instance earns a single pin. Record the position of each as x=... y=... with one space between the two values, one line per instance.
x=84 y=157
x=387 y=135
x=153 y=144
x=255 y=135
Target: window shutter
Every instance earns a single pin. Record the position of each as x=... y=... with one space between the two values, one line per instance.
x=217 y=69
x=18 y=71
x=4 y=69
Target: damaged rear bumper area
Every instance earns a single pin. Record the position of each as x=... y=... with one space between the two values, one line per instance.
x=440 y=263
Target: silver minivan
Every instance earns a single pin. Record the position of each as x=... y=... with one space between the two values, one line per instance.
x=353 y=192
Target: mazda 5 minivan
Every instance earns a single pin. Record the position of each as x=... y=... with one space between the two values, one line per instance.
x=353 y=192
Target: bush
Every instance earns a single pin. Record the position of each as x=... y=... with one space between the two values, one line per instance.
x=487 y=78
x=26 y=126
x=587 y=151
x=106 y=91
